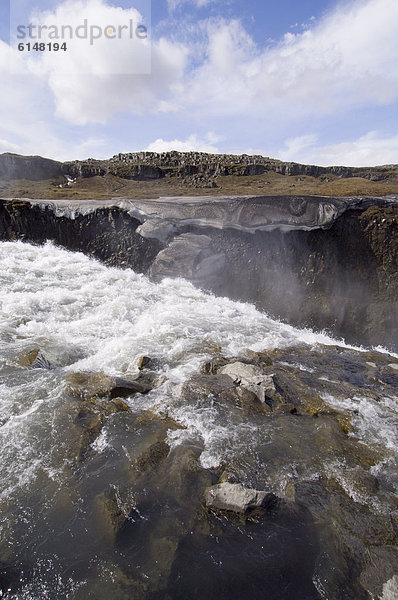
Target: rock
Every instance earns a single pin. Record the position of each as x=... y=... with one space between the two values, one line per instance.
x=184 y=477
x=146 y=362
x=212 y=366
x=379 y=576
x=86 y=386
x=89 y=385
x=260 y=358
x=108 y=515
x=236 y=498
x=191 y=256
x=222 y=390
x=35 y=359
x=142 y=384
x=83 y=419
x=390 y=589
x=33 y=168
x=151 y=458
x=359 y=484
x=254 y=380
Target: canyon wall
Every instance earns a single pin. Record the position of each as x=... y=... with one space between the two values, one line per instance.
x=323 y=263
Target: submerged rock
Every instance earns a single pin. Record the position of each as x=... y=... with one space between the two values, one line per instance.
x=236 y=498
x=108 y=515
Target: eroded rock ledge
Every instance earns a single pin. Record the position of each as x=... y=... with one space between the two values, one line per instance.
x=327 y=263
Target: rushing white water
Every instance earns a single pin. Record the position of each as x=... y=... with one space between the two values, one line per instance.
x=68 y=303
x=85 y=316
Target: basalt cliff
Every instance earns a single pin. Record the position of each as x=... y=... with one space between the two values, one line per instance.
x=321 y=262
x=150 y=175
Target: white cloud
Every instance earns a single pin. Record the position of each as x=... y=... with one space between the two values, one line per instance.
x=6 y=146
x=82 y=99
x=371 y=149
x=191 y=144
x=346 y=60
x=91 y=83
x=218 y=78
x=295 y=146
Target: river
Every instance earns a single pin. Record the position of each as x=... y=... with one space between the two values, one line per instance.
x=58 y=534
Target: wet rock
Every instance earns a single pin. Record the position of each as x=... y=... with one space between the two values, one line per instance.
x=144 y=362
x=149 y=449
x=151 y=458
x=225 y=392
x=89 y=385
x=262 y=382
x=108 y=515
x=236 y=498
x=379 y=575
x=260 y=358
x=362 y=537
x=162 y=550
x=185 y=477
x=390 y=589
x=142 y=384
x=359 y=484
x=212 y=366
x=253 y=379
x=191 y=256
x=98 y=385
x=35 y=359
x=84 y=420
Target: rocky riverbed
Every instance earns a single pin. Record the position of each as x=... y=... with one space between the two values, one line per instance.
x=303 y=505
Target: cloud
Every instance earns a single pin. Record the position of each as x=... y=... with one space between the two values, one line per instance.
x=348 y=59
x=6 y=146
x=371 y=149
x=82 y=99
x=213 y=76
x=295 y=146
x=90 y=84
x=191 y=144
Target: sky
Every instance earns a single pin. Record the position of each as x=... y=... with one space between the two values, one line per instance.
x=310 y=81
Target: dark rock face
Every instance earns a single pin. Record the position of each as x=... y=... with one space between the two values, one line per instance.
x=34 y=168
x=109 y=235
x=343 y=279
x=324 y=263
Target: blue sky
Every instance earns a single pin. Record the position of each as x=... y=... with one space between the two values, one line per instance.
x=313 y=81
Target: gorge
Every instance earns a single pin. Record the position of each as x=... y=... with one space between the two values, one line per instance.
x=198 y=391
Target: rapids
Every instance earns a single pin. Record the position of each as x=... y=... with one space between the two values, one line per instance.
x=87 y=317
